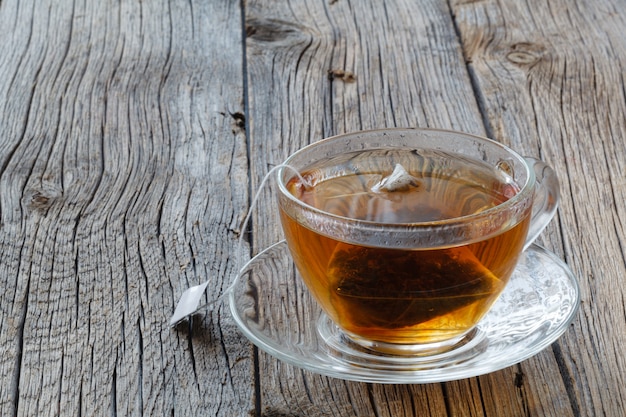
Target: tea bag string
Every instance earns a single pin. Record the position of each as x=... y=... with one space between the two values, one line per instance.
x=189 y=301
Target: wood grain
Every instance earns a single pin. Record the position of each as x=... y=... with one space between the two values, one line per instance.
x=123 y=181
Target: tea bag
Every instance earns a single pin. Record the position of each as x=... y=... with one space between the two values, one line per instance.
x=391 y=288
x=395 y=198
x=398 y=180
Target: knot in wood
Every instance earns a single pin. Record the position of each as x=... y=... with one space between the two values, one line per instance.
x=40 y=200
x=339 y=74
x=525 y=53
x=272 y=30
x=239 y=121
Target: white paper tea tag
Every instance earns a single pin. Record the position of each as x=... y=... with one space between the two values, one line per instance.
x=189 y=303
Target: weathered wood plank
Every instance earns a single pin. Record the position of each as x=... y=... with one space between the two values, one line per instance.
x=122 y=181
x=552 y=80
x=321 y=68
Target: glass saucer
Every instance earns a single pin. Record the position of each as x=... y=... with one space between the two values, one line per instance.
x=273 y=309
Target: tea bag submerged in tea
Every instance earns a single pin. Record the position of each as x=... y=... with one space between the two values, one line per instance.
x=392 y=197
x=398 y=180
x=385 y=288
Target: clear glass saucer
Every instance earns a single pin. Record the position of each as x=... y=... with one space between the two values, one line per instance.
x=273 y=309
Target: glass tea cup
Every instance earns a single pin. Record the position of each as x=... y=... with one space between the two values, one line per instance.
x=406 y=237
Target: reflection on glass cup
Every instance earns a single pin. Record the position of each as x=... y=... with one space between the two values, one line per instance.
x=406 y=237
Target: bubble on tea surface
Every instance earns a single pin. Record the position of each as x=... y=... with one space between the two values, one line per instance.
x=390 y=288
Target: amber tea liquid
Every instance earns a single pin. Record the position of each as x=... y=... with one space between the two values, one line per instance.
x=403 y=296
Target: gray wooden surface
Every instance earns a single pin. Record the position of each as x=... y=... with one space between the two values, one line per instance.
x=133 y=135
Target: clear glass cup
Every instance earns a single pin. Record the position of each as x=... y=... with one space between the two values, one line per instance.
x=406 y=237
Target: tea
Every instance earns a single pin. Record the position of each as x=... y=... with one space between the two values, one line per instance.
x=399 y=295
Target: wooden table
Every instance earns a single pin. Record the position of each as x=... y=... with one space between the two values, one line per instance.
x=133 y=135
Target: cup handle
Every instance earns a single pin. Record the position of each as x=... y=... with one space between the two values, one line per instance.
x=545 y=201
